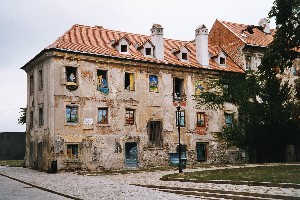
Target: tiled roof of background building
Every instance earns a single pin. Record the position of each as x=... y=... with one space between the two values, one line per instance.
x=257 y=38
x=97 y=40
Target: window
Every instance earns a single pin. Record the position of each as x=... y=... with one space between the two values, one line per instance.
x=102 y=85
x=178 y=87
x=228 y=120
x=148 y=51
x=31 y=86
x=248 y=62
x=72 y=114
x=102 y=116
x=201 y=149
x=41 y=79
x=71 y=75
x=181 y=118
x=222 y=61
x=129 y=116
x=129 y=81
x=200 y=119
x=72 y=151
x=123 y=48
x=31 y=120
x=155 y=133
x=153 y=83
x=41 y=116
x=184 y=56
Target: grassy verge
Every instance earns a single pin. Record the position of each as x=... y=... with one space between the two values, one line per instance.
x=12 y=163
x=273 y=174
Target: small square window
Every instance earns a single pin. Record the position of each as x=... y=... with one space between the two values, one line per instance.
x=148 y=51
x=181 y=118
x=222 y=61
x=102 y=115
x=129 y=116
x=72 y=114
x=200 y=119
x=72 y=151
x=123 y=48
x=129 y=81
x=184 y=56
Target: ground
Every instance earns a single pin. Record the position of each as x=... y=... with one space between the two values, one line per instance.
x=142 y=185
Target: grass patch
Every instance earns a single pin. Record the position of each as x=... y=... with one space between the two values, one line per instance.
x=12 y=163
x=273 y=174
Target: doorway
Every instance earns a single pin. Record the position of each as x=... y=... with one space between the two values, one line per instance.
x=131 y=154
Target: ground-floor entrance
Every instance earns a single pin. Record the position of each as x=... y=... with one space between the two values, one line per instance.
x=131 y=154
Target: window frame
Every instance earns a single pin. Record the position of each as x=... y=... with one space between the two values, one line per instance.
x=182 y=118
x=184 y=56
x=148 y=51
x=41 y=116
x=124 y=48
x=153 y=88
x=98 y=115
x=129 y=77
x=155 y=136
x=77 y=114
x=205 y=144
x=71 y=153
x=198 y=118
x=41 y=78
x=129 y=116
x=178 y=87
x=69 y=71
x=222 y=60
x=31 y=84
x=228 y=125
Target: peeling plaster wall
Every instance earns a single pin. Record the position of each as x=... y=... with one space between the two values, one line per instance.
x=102 y=146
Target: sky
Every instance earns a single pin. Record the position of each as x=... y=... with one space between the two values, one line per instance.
x=28 y=26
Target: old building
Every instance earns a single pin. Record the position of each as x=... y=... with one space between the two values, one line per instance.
x=100 y=98
x=246 y=44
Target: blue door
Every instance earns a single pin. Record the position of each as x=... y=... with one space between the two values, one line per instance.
x=131 y=154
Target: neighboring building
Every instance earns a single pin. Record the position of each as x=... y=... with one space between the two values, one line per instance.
x=99 y=98
x=12 y=145
x=246 y=44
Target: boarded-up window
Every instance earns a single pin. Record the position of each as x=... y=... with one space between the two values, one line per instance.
x=155 y=133
x=72 y=151
x=129 y=115
x=72 y=114
x=129 y=81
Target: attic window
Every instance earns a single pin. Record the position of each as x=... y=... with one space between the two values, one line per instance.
x=148 y=51
x=222 y=61
x=124 y=48
x=184 y=56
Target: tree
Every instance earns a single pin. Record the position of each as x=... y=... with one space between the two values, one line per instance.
x=22 y=119
x=267 y=109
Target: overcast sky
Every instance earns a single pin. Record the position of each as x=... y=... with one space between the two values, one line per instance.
x=28 y=26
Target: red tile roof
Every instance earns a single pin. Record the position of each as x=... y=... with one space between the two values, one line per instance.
x=97 y=40
x=258 y=38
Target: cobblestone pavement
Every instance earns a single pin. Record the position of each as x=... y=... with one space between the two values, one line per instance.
x=124 y=186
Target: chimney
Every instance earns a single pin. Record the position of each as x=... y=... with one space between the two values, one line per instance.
x=201 y=39
x=158 y=41
x=265 y=24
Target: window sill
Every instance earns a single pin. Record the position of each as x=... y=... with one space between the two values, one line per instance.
x=75 y=161
x=72 y=124
x=103 y=125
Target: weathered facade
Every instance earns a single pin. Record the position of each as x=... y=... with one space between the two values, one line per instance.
x=103 y=99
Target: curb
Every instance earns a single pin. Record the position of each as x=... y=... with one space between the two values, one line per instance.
x=41 y=188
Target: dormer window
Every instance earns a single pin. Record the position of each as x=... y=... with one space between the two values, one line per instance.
x=184 y=56
x=222 y=61
x=124 y=48
x=148 y=51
